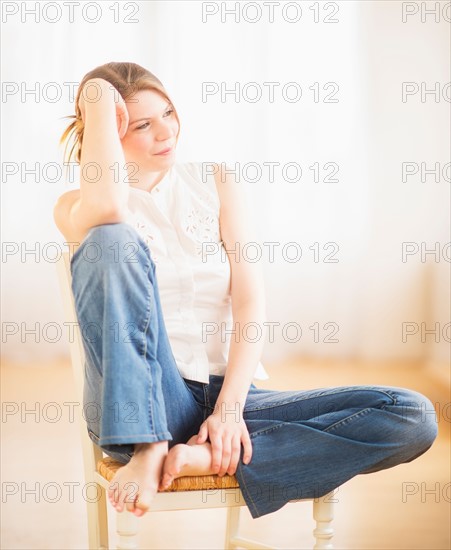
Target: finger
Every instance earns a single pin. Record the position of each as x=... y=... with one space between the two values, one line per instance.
x=235 y=457
x=226 y=454
x=81 y=108
x=216 y=454
x=203 y=432
x=126 y=115
x=124 y=123
x=128 y=496
x=113 y=493
x=247 y=446
x=123 y=111
x=121 y=127
x=121 y=500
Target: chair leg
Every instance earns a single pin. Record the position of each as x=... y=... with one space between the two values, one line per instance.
x=323 y=513
x=98 y=522
x=232 y=526
x=127 y=530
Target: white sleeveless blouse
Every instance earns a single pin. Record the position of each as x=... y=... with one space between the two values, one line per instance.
x=174 y=219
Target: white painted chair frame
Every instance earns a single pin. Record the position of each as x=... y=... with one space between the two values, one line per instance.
x=127 y=523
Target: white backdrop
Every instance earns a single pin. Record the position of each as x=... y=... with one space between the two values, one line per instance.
x=368 y=133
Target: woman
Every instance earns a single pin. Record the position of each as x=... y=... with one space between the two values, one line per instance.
x=168 y=392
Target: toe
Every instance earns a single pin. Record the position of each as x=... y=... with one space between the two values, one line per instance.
x=113 y=493
x=130 y=506
x=166 y=481
x=138 y=512
x=131 y=495
x=142 y=504
x=123 y=501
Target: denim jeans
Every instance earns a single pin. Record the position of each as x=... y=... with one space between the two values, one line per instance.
x=305 y=442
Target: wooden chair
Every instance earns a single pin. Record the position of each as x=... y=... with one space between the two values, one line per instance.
x=185 y=493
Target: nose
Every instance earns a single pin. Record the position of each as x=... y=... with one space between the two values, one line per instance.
x=166 y=129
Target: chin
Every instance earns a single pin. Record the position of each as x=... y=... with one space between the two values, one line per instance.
x=164 y=159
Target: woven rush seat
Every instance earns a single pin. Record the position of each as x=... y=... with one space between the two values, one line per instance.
x=107 y=468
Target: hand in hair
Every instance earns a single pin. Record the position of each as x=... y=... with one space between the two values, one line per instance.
x=98 y=89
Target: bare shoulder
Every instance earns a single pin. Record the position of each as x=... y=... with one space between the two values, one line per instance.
x=227 y=186
x=236 y=216
x=232 y=193
x=238 y=228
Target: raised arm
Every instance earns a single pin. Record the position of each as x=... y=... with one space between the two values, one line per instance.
x=104 y=187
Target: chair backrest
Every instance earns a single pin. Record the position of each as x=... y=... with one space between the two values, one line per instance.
x=91 y=452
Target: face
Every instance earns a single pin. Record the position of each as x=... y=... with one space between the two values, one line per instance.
x=152 y=128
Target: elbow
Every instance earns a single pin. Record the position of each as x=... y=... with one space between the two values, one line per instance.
x=100 y=213
x=251 y=308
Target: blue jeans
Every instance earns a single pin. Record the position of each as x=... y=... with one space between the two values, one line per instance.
x=305 y=442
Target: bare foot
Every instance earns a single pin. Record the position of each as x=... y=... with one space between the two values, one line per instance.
x=136 y=483
x=186 y=459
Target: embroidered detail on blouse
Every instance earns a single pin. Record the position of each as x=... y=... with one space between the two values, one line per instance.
x=143 y=230
x=204 y=228
x=208 y=199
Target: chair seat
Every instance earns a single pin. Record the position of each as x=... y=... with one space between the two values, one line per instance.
x=107 y=468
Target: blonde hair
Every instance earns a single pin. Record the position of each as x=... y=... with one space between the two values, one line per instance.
x=128 y=79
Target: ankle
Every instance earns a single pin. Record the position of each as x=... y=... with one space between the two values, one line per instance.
x=159 y=447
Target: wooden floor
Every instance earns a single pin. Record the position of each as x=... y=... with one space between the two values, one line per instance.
x=404 y=507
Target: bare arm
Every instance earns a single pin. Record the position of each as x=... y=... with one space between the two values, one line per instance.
x=104 y=187
x=226 y=426
x=247 y=289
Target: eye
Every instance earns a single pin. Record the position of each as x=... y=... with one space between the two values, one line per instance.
x=146 y=124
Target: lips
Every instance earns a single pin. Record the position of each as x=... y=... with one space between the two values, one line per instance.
x=163 y=151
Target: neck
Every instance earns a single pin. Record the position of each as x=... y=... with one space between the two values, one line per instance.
x=149 y=181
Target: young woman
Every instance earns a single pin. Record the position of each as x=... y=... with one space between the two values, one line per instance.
x=158 y=288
